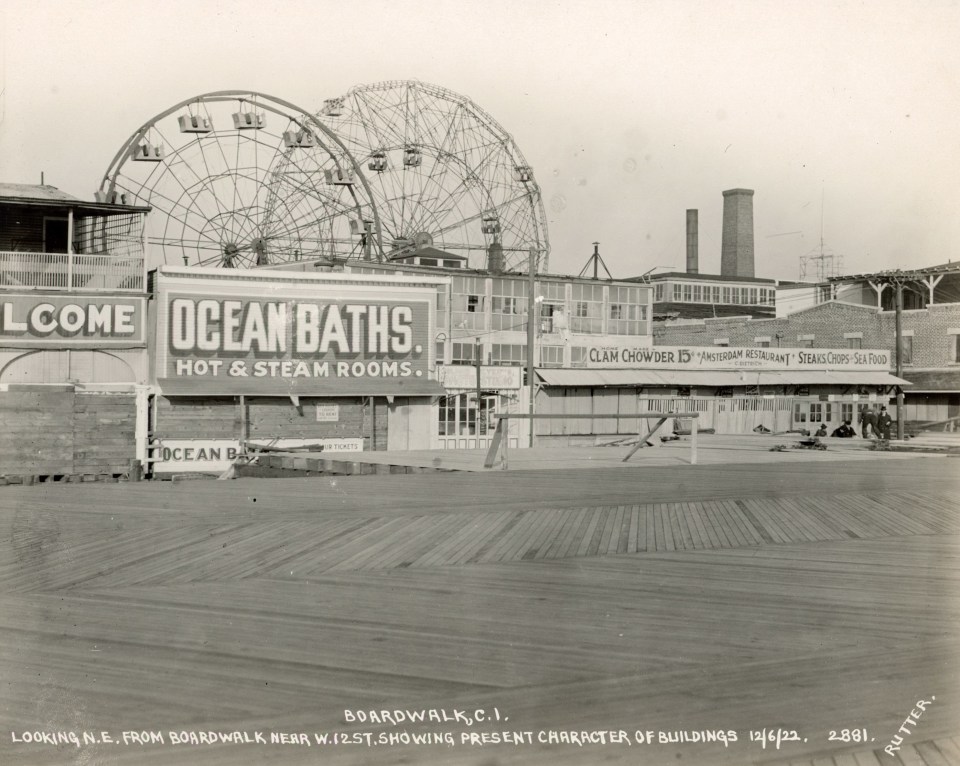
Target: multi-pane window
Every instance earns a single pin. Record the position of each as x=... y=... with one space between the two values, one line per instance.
x=716 y=293
x=578 y=356
x=799 y=413
x=726 y=295
x=509 y=301
x=753 y=296
x=442 y=307
x=626 y=313
x=854 y=342
x=846 y=412
x=459 y=416
x=463 y=353
x=554 y=303
x=546 y=318
x=508 y=353
x=466 y=302
x=588 y=308
x=687 y=293
x=821 y=412
x=505 y=305
x=697 y=293
x=677 y=295
x=906 y=349
x=551 y=356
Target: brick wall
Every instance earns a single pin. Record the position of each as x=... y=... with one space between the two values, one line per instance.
x=932 y=346
x=736 y=257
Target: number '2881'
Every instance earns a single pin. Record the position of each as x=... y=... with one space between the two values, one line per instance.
x=848 y=735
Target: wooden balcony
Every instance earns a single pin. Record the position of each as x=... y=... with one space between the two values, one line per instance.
x=72 y=271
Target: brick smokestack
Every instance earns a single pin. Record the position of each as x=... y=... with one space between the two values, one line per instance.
x=693 y=242
x=495 y=259
x=736 y=256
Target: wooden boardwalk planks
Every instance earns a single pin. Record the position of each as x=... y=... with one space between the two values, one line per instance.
x=652 y=602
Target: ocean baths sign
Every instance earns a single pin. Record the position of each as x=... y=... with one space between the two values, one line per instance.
x=280 y=338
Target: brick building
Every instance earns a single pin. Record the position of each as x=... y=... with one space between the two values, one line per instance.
x=931 y=349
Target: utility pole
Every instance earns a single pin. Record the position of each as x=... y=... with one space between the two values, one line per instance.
x=899 y=360
x=531 y=307
x=477 y=352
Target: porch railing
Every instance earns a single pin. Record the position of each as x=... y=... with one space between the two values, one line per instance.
x=74 y=271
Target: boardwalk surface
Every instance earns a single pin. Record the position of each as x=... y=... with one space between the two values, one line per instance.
x=713 y=449
x=815 y=596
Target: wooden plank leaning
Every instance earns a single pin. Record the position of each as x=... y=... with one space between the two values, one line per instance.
x=498 y=441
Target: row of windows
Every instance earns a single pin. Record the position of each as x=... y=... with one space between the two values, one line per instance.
x=509 y=312
x=512 y=353
x=679 y=292
x=823 y=412
x=499 y=353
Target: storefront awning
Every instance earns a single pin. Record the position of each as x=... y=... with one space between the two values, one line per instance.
x=366 y=386
x=627 y=378
x=719 y=378
x=934 y=381
x=823 y=377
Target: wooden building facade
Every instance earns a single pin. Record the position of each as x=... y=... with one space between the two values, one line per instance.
x=73 y=337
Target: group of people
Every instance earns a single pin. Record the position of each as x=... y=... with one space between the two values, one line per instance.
x=844 y=431
x=877 y=422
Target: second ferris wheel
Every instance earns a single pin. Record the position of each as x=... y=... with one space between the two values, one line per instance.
x=443 y=174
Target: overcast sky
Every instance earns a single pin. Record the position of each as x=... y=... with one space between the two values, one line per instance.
x=630 y=112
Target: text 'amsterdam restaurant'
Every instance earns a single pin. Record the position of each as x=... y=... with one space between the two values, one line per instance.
x=734 y=390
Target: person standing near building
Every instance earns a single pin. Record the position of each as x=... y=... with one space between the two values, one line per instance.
x=868 y=419
x=884 y=422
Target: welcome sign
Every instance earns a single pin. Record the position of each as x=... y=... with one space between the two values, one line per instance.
x=59 y=320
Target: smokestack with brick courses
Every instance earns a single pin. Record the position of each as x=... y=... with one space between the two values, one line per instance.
x=693 y=242
x=736 y=256
x=495 y=259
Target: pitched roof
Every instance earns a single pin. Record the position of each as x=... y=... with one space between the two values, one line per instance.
x=46 y=196
x=35 y=192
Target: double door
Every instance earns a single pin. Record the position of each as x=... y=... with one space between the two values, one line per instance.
x=461 y=424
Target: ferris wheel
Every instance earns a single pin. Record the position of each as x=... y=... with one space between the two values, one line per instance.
x=241 y=179
x=443 y=174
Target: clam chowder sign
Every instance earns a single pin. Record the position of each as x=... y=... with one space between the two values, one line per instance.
x=736 y=358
